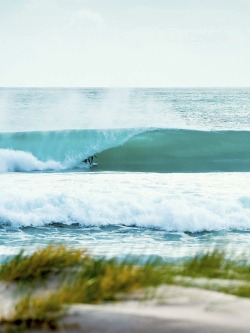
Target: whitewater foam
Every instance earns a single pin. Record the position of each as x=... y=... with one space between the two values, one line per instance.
x=18 y=161
x=170 y=202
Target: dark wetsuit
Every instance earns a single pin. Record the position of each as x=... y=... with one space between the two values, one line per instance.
x=89 y=159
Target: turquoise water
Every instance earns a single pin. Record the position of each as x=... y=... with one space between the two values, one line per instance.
x=172 y=176
x=143 y=150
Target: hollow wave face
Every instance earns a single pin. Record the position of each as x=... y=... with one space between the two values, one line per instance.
x=55 y=150
x=140 y=150
x=181 y=151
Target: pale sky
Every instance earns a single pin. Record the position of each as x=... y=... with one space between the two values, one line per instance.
x=124 y=43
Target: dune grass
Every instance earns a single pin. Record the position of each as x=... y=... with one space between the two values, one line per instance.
x=82 y=279
x=234 y=274
x=216 y=264
x=212 y=264
x=35 y=312
x=37 y=266
x=100 y=280
x=86 y=279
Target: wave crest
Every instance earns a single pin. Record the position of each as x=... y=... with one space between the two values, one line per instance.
x=143 y=150
x=188 y=214
x=19 y=161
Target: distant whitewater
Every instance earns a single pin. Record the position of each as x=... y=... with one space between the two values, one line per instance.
x=143 y=150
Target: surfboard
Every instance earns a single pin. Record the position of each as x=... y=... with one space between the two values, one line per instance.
x=93 y=164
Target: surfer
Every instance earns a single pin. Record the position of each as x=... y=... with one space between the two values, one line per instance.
x=89 y=159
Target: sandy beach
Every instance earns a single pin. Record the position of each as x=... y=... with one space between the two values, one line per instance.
x=172 y=309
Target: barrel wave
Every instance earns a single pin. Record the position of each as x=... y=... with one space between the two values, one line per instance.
x=134 y=150
x=181 y=151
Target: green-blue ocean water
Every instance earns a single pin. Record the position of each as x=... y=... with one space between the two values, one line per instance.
x=172 y=175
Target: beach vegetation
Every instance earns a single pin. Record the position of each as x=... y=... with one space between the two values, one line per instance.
x=212 y=264
x=100 y=280
x=37 y=266
x=35 y=312
x=82 y=278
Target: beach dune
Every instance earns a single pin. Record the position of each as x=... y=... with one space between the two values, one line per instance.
x=173 y=310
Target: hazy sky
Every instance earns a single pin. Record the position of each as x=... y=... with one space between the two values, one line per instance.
x=128 y=43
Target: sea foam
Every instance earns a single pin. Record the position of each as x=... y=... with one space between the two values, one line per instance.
x=19 y=161
x=174 y=202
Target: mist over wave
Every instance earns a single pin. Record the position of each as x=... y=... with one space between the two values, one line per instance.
x=60 y=109
x=44 y=109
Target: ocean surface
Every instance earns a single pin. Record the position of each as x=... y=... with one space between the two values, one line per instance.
x=173 y=173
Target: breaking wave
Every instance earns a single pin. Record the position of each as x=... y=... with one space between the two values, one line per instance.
x=151 y=150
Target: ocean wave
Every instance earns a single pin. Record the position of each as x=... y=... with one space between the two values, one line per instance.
x=91 y=209
x=143 y=150
x=55 y=150
x=20 y=161
x=172 y=202
x=181 y=151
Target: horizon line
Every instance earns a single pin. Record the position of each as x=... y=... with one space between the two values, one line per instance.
x=123 y=87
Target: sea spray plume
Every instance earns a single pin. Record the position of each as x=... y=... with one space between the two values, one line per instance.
x=60 y=109
x=97 y=108
x=135 y=108
x=5 y=101
x=12 y=160
x=110 y=109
